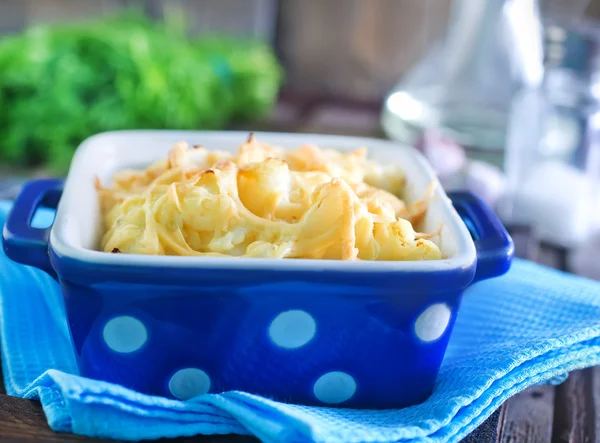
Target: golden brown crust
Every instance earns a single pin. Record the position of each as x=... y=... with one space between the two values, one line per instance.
x=264 y=202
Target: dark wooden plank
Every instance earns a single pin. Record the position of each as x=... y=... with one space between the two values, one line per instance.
x=2 y=390
x=529 y=247
x=547 y=255
x=574 y=409
x=487 y=432
x=596 y=399
x=23 y=420
x=528 y=416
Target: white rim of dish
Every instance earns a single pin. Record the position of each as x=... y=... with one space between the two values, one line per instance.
x=464 y=257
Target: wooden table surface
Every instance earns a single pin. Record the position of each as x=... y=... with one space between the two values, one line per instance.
x=569 y=412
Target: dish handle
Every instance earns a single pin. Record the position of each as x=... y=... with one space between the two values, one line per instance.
x=494 y=245
x=22 y=242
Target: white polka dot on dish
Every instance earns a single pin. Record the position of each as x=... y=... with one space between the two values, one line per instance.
x=432 y=322
x=124 y=334
x=334 y=387
x=188 y=383
x=292 y=329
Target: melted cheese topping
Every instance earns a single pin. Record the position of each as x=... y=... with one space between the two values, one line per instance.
x=264 y=202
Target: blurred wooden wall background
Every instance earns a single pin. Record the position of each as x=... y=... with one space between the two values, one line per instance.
x=340 y=48
x=236 y=17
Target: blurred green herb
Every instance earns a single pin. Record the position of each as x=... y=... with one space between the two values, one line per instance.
x=60 y=84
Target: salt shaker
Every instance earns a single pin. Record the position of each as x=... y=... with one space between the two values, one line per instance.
x=552 y=145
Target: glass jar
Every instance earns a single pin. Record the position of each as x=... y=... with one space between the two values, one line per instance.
x=465 y=85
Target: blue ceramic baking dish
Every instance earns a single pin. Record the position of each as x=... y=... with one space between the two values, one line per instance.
x=320 y=332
